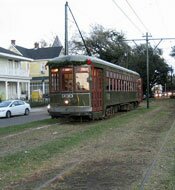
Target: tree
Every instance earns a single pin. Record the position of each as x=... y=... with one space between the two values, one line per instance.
x=172 y=53
x=43 y=43
x=103 y=43
x=170 y=85
x=111 y=46
x=158 y=68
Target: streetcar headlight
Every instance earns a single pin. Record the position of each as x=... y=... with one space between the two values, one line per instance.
x=48 y=107
x=66 y=102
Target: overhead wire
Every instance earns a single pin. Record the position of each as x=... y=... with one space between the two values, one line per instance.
x=127 y=17
x=137 y=16
x=140 y=20
x=163 y=23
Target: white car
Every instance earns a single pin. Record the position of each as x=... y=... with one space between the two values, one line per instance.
x=10 y=108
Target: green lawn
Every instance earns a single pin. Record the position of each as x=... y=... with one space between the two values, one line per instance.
x=128 y=142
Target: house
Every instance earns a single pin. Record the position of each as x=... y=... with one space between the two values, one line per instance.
x=40 y=56
x=14 y=76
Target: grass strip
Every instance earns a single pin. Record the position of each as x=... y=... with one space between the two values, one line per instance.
x=18 y=128
x=43 y=152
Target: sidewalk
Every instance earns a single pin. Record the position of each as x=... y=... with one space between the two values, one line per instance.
x=39 y=109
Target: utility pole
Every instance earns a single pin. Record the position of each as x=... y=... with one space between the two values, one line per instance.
x=147 y=57
x=147 y=69
x=171 y=79
x=66 y=29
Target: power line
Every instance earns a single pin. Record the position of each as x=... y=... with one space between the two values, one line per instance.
x=137 y=15
x=127 y=16
x=150 y=39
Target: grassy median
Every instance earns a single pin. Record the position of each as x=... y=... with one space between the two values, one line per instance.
x=112 y=153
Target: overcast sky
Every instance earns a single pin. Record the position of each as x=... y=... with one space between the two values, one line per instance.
x=29 y=21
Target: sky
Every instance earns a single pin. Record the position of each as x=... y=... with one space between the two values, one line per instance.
x=29 y=21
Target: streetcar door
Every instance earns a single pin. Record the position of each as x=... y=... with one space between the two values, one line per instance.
x=139 y=90
x=97 y=92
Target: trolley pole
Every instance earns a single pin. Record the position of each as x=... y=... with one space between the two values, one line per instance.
x=66 y=29
x=147 y=70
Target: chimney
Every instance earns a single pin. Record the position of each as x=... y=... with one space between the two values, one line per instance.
x=13 y=42
x=36 y=45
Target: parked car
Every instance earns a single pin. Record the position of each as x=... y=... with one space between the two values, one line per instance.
x=10 y=108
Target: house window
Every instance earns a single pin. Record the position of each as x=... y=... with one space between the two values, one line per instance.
x=16 y=67
x=42 y=68
x=10 y=66
x=35 y=86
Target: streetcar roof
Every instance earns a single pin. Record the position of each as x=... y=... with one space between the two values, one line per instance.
x=84 y=58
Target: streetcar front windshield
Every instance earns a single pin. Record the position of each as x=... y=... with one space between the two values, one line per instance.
x=69 y=79
x=81 y=78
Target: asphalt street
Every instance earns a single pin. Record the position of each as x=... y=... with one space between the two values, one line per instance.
x=35 y=115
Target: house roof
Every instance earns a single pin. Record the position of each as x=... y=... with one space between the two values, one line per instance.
x=11 y=55
x=3 y=50
x=40 y=53
x=57 y=42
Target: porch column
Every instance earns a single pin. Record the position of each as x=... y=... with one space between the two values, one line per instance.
x=28 y=91
x=6 y=90
x=43 y=84
x=18 y=90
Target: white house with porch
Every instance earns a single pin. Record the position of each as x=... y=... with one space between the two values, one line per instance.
x=40 y=56
x=14 y=75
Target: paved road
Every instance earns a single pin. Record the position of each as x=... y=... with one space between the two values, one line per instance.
x=35 y=115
